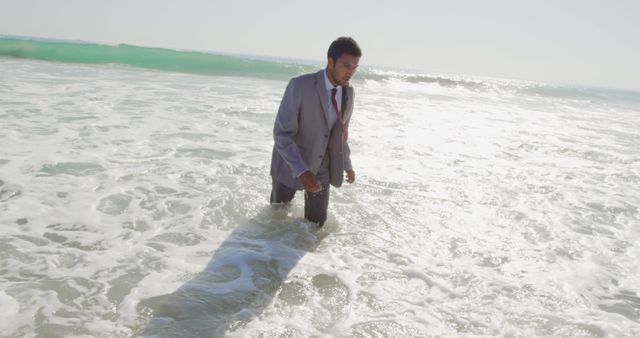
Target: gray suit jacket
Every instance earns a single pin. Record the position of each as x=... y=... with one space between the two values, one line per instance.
x=302 y=135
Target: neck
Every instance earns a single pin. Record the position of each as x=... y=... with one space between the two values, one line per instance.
x=330 y=77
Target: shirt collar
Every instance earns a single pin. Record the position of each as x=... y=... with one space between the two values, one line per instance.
x=328 y=83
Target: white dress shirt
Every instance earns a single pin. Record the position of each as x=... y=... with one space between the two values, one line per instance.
x=332 y=112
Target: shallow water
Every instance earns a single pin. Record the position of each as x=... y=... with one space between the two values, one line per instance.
x=135 y=203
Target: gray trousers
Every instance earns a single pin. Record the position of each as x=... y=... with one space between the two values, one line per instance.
x=315 y=203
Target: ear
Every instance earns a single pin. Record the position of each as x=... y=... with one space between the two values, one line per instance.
x=330 y=63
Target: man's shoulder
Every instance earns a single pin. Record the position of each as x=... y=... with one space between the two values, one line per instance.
x=307 y=78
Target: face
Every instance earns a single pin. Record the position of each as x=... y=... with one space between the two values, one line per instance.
x=341 y=71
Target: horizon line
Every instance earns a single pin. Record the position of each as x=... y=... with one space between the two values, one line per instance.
x=320 y=63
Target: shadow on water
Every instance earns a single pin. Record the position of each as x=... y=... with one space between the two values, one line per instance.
x=238 y=283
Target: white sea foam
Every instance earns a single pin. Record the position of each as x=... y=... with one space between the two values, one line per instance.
x=135 y=203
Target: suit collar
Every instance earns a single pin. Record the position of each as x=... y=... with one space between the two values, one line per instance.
x=321 y=87
x=322 y=94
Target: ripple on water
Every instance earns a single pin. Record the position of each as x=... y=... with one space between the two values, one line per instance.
x=9 y=191
x=292 y=293
x=67 y=241
x=115 y=204
x=626 y=303
x=207 y=153
x=38 y=241
x=178 y=207
x=372 y=302
x=72 y=168
x=334 y=298
x=178 y=238
x=164 y=190
x=384 y=328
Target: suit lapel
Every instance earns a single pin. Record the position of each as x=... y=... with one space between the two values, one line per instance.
x=322 y=94
x=345 y=97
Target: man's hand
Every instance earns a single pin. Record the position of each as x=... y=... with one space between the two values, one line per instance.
x=310 y=182
x=351 y=176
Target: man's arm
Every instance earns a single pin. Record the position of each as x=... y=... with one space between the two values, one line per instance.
x=348 y=168
x=286 y=127
x=284 y=130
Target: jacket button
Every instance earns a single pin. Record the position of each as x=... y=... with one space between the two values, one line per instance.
x=320 y=156
x=325 y=135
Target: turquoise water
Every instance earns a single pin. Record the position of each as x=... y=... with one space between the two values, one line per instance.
x=145 y=57
x=206 y=63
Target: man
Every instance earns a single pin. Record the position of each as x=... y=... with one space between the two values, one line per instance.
x=311 y=131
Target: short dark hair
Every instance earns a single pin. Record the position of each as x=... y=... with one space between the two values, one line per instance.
x=343 y=45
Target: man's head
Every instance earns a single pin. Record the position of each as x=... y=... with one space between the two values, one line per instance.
x=342 y=60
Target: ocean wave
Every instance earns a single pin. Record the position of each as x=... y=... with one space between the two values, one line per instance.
x=205 y=63
x=479 y=85
x=164 y=59
x=442 y=81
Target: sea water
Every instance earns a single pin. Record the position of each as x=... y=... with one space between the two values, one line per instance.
x=134 y=202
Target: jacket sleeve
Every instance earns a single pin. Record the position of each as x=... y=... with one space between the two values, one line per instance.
x=346 y=149
x=286 y=128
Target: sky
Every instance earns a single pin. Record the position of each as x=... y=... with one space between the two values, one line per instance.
x=587 y=42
